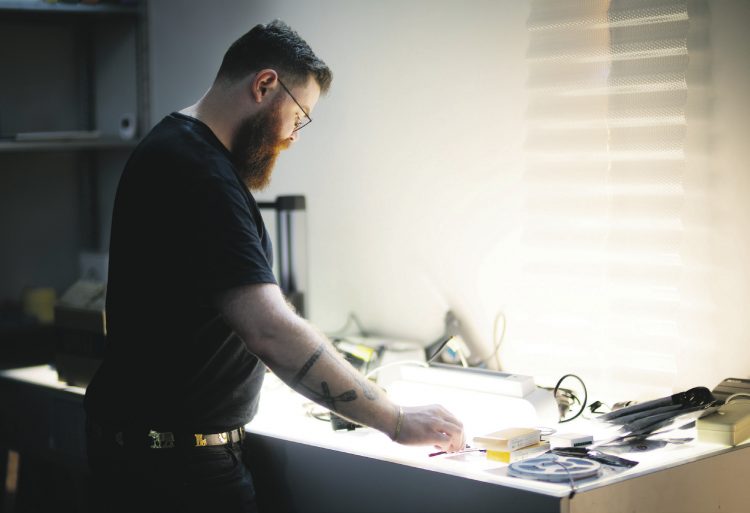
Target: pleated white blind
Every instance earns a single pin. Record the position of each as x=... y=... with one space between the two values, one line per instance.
x=602 y=232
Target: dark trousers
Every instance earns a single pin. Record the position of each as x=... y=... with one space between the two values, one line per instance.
x=132 y=478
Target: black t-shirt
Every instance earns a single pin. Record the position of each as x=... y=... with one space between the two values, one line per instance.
x=184 y=227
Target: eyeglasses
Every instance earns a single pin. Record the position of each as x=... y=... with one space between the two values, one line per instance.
x=300 y=123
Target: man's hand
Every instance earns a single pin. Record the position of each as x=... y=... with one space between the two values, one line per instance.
x=431 y=425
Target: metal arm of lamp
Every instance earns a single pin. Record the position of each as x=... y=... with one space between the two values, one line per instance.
x=291 y=247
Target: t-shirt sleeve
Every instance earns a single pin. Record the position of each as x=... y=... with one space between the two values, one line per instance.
x=226 y=243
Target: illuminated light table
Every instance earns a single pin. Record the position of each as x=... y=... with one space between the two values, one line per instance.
x=300 y=464
x=317 y=469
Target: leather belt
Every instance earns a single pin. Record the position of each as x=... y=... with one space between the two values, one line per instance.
x=169 y=440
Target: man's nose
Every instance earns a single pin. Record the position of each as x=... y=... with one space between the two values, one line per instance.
x=294 y=136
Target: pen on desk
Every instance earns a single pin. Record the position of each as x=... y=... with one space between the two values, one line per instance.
x=467 y=449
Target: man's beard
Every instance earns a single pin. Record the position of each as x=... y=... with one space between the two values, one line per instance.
x=256 y=146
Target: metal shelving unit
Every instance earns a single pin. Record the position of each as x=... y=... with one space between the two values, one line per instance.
x=12 y=146
x=88 y=14
x=103 y=57
x=40 y=6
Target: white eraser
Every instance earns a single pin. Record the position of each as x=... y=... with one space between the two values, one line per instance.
x=570 y=440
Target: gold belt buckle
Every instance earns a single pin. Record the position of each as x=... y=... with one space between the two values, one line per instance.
x=200 y=441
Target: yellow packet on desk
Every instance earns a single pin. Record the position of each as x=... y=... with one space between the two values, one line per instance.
x=519 y=454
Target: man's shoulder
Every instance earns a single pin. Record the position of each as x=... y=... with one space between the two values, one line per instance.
x=177 y=148
x=178 y=137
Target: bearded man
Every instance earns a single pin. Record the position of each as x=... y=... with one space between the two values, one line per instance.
x=194 y=314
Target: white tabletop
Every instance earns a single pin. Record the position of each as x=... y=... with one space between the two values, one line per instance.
x=282 y=414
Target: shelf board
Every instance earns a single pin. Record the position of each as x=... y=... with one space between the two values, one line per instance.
x=40 y=6
x=69 y=145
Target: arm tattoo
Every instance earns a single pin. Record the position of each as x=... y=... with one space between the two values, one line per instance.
x=326 y=397
x=306 y=367
x=330 y=400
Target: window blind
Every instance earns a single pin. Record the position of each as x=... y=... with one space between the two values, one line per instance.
x=601 y=284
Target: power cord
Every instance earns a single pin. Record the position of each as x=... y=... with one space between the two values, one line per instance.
x=549 y=457
x=570 y=477
x=734 y=396
x=595 y=409
x=336 y=421
x=316 y=412
x=585 y=396
x=498 y=340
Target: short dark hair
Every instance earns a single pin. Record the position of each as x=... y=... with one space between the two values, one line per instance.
x=275 y=46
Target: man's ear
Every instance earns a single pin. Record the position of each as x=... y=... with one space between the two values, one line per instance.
x=263 y=83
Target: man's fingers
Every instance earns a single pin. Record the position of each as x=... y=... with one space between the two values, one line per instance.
x=451 y=440
x=444 y=441
x=449 y=428
x=433 y=425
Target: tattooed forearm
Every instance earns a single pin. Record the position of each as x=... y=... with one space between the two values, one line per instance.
x=363 y=382
x=307 y=366
x=328 y=399
x=324 y=395
x=331 y=400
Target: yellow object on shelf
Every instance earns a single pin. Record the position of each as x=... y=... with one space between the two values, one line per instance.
x=519 y=454
x=40 y=304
